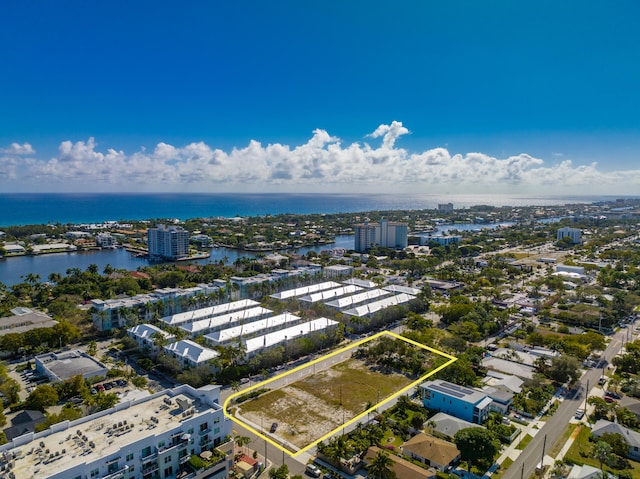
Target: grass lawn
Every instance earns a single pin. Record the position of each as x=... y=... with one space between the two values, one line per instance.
x=580 y=453
x=525 y=441
x=553 y=452
x=503 y=467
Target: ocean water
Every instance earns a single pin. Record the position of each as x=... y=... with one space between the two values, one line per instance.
x=77 y=208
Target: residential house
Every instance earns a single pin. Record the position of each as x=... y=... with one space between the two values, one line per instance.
x=632 y=437
x=445 y=426
x=434 y=452
x=402 y=468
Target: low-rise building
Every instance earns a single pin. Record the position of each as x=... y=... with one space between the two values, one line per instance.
x=466 y=403
x=402 y=468
x=434 y=452
x=445 y=426
x=190 y=354
x=148 y=336
x=632 y=437
x=25 y=319
x=65 y=365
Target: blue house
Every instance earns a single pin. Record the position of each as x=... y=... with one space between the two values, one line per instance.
x=470 y=404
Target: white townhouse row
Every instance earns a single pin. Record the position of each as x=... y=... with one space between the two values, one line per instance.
x=208 y=312
x=225 y=320
x=297 y=292
x=329 y=294
x=190 y=353
x=145 y=335
x=266 y=341
x=364 y=297
x=150 y=437
x=372 y=308
x=225 y=336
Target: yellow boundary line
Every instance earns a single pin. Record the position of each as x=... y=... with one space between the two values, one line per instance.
x=324 y=358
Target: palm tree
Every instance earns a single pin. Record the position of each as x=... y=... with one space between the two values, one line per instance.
x=242 y=441
x=381 y=467
x=602 y=452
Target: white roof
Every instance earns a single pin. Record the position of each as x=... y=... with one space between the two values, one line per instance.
x=248 y=329
x=146 y=331
x=330 y=293
x=294 y=293
x=358 y=298
x=303 y=329
x=395 y=288
x=198 y=314
x=191 y=351
x=223 y=320
x=376 y=306
x=363 y=283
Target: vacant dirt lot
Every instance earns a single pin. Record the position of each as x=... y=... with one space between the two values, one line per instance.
x=314 y=406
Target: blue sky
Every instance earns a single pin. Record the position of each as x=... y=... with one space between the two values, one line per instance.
x=464 y=96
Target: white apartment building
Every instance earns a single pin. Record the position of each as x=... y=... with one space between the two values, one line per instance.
x=170 y=242
x=151 y=437
x=105 y=240
x=389 y=234
x=574 y=233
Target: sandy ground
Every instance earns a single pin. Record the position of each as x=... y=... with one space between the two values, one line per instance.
x=308 y=417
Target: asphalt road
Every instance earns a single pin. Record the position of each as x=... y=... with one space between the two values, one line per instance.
x=556 y=424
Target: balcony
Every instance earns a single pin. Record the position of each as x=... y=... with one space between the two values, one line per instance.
x=149 y=467
x=119 y=474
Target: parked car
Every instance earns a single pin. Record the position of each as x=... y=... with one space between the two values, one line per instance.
x=274 y=426
x=312 y=470
x=579 y=413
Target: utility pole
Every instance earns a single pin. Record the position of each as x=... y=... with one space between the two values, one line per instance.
x=586 y=396
x=544 y=445
x=522 y=471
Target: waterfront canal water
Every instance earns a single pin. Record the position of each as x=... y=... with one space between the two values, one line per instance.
x=14 y=270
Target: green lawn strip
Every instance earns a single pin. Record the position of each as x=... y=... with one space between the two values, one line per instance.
x=566 y=434
x=503 y=467
x=525 y=441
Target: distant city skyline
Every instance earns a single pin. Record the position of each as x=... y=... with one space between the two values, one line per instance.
x=443 y=97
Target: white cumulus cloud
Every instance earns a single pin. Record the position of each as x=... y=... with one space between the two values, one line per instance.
x=18 y=149
x=322 y=163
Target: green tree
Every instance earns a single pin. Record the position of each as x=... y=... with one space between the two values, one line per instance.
x=476 y=445
x=619 y=445
x=280 y=473
x=42 y=397
x=381 y=467
x=92 y=348
x=602 y=452
x=564 y=369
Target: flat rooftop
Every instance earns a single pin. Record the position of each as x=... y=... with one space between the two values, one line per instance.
x=71 y=363
x=104 y=435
